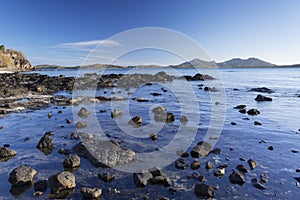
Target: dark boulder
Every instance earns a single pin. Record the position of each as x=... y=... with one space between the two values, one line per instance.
x=237 y=178
x=204 y=191
x=253 y=112
x=260 y=97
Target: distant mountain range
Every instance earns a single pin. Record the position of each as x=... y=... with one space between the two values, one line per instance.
x=233 y=63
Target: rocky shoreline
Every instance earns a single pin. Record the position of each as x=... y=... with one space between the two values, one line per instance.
x=38 y=91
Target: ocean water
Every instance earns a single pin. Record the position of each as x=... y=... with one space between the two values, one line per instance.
x=210 y=115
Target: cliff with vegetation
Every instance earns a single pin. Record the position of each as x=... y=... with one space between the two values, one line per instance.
x=12 y=60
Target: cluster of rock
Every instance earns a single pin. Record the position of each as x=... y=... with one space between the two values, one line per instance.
x=11 y=60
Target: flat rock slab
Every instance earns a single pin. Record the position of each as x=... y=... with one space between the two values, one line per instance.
x=104 y=153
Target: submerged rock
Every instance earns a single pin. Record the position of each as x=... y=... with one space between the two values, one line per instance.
x=211 y=89
x=257 y=184
x=164 y=117
x=257 y=123
x=262 y=89
x=204 y=191
x=260 y=97
x=90 y=193
x=61 y=181
x=81 y=125
x=22 y=175
x=107 y=177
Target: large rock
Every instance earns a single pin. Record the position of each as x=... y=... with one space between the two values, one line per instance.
x=260 y=97
x=103 y=153
x=4 y=152
x=71 y=161
x=90 y=193
x=202 y=149
x=204 y=191
x=61 y=181
x=22 y=175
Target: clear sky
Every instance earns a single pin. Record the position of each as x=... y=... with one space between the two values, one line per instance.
x=48 y=31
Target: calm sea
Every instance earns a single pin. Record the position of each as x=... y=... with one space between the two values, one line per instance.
x=207 y=111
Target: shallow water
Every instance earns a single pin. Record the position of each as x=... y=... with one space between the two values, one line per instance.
x=279 y=118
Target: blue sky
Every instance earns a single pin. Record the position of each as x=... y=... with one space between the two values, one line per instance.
x=62 y=31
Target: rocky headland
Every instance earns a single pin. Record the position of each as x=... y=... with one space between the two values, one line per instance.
x=13 y=60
